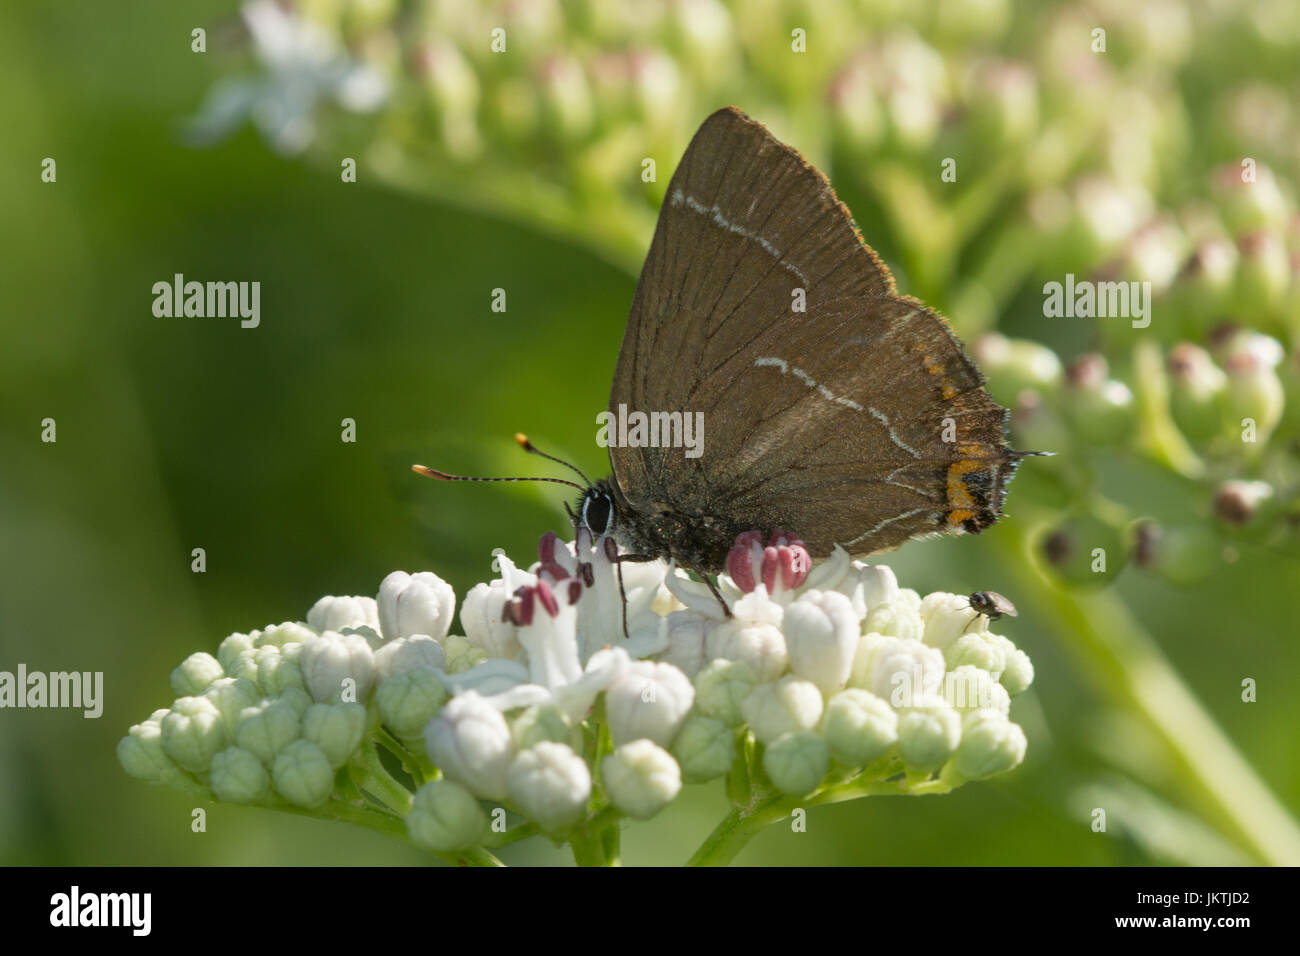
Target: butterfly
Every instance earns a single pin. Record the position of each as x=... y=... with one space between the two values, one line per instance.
x=833 y=407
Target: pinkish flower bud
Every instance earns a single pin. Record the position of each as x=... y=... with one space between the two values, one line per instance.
x=781 y=566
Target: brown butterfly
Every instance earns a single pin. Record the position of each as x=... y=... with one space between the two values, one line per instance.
x=833 y=407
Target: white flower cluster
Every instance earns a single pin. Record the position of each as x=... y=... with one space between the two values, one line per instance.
x=544 y=706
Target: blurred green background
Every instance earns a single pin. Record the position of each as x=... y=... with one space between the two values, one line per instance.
x=175 y=434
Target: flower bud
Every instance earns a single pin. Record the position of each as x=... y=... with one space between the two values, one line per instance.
x=470 y=741
x=445 y=817
x=752 y=635
x=859 y=727
x=1196 y=391
x=231 y=695
x=855 y=107
x=302 y=774
x=797 y=762
x=821 y=632
x=1255 y=397
x=336 y=729
x=641 y=778
x=928 y=734
x=192 y=732
x=239 y=777
x=1037 y=423
x=1107 y=213
x=975 y=650
x=1003 y=98
x=550 y=784
x=1211 y=269
x=297 y=698
x=1184 y=555
x=1013 y=365
x=648 y=700
x=408 y=654
x=408 y=700
x=141 y=752
x=898 y=670
x=566 y=96
x=332 y=613
x=337 y=667
x=1086 y=550
x=780 y=567
x=480 y=615
x=244 y=666
x=900 y=617
x=277 y=670
x=1101 y=409
x=865 y=585
x=278 y=635
x=685 y=642
x=990 y=743
x=1019 y=672
x=1240 y=503
x=1155 y=253
x=266 y=728
x=193 y=675
x=968 y=688
x=947 y=617
x=705 y=749
x=541 y=722
x=233 y=646
x=1251 y=205
x=788 y=705
x=461 y=654
x=453 y=90
x=415 y=604
x=721 y=687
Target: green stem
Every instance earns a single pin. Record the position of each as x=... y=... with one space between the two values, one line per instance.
x=1127 y=666
x=340 y=811
x=515 y=834
x=738 y=827
x=375 y=778
x=1159 y=434
x=410 y=762
x=590 y=843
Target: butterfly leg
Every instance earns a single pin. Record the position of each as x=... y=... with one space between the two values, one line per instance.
x=619 y=559
x=712 y=587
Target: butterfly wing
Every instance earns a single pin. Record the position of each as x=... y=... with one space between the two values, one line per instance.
x=825 y=396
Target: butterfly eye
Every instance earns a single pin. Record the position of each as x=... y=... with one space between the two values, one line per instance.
x=597 y=513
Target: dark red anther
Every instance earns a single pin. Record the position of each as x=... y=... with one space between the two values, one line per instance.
x=546 y=552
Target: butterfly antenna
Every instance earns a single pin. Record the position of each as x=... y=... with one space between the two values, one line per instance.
x=529 y=447
x=443 y=476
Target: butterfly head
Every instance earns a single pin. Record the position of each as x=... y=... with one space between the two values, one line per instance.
x=596 y=510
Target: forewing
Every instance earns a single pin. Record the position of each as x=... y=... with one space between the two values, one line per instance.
x=746 y=229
